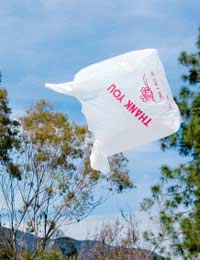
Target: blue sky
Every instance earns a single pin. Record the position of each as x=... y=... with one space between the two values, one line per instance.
x=50 y=40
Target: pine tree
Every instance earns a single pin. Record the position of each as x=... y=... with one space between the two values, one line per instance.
x=178 y=192
x=9 y=141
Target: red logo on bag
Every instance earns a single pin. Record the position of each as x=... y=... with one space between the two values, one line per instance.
x=146 y=92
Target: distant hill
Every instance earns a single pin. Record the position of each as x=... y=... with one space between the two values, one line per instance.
x=67 y=246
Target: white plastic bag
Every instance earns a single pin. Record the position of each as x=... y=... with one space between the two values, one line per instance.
x=127 y=103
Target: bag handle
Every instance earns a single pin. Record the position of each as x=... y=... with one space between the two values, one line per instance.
x=64 y=88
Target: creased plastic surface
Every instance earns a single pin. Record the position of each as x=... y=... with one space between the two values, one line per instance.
x=127 y=102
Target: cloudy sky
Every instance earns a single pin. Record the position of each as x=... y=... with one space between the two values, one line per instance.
x=50 y=40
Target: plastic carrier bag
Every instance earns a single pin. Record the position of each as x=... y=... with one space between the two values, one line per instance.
x=127 y=103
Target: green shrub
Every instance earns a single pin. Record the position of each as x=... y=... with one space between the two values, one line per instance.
x=52 y=254
x=5 y=253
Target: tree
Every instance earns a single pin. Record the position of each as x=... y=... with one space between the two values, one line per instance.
x=117 y=239
x=178 y=192
x=51 y=254
x=8 y=135
x=57 y=186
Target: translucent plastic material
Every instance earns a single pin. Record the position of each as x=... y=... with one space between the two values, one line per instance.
x=127 y=103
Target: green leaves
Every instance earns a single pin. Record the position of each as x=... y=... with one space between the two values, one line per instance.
x=9 y=141
x=51 y=254
x=178 y=191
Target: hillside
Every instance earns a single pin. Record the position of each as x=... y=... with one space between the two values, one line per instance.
x=67 y=246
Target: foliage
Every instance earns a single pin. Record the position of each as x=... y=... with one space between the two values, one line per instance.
x=51 y=254
x=117 y=240
x=6 y=253
x=8 y=136
x=56 y=186
x=178 y=192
